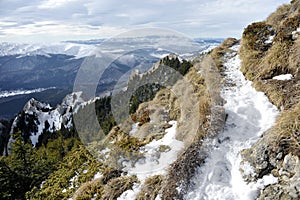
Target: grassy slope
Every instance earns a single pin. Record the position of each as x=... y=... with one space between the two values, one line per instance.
x=260 y=62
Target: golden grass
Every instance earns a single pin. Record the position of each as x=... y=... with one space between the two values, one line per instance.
x=151 y=188
x=287 y=131
x=111 y=189
x=293 y=60
x=282 y=57
x=89 y=189
x=274 y=63
x=218 y=53
x=115 y=187
x=280 y=14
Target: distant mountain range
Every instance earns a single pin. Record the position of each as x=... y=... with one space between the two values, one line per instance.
x=83 y=48
x=34 y=67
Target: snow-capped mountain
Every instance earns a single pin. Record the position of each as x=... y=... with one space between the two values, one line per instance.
x=77 y=50
x=80 y=49
x=37 y=117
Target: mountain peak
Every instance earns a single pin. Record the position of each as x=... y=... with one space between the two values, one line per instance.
x=33 y=105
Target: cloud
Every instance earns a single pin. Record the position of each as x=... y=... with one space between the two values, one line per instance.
x=60 y=19
x=52 y=4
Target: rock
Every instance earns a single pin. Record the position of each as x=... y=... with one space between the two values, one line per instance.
x=289 y=163
x=289 y=180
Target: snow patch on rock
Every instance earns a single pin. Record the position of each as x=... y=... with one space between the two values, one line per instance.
x=283 y=77
x=270 y=39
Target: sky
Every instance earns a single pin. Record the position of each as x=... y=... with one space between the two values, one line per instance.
x=59 y=20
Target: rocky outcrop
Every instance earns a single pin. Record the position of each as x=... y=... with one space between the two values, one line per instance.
x=37 y=117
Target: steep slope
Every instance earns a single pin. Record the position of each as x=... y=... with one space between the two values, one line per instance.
x=270 y=49
x=249 y=114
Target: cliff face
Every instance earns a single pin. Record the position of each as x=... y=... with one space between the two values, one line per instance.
x=37 y=118
x=270 y=52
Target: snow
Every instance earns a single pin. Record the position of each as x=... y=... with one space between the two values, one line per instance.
x=249 y=114
x=73 y=180
x=268 y=180
x=80 y=49
x=54 y=116
x=6 y=93
x=155 y=162
x=283 y=77
x=105 y=153
x=160 y=56
x=270 y=39
x=94 y=197
x=134 y=128
x=131 y=194
x=186 y=55
x=113 y=51
x=97 y=175
x=34 y=138
x=72 y=49
x=54 y=119
x=247 y=169
x=297 y=31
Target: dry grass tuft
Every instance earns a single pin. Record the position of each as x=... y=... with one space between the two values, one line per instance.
x=274 y=63
x=89 y=189
x=287 y=131
x=280 y=14
x=115 y=187
x=218 y=53
x=151 y=188
x=294 y=61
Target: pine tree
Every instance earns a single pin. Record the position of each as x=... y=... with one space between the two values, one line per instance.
x=22 y=170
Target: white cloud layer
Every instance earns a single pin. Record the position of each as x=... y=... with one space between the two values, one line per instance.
x=54 y=20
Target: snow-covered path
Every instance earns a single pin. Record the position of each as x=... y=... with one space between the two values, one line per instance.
x=249 y=114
